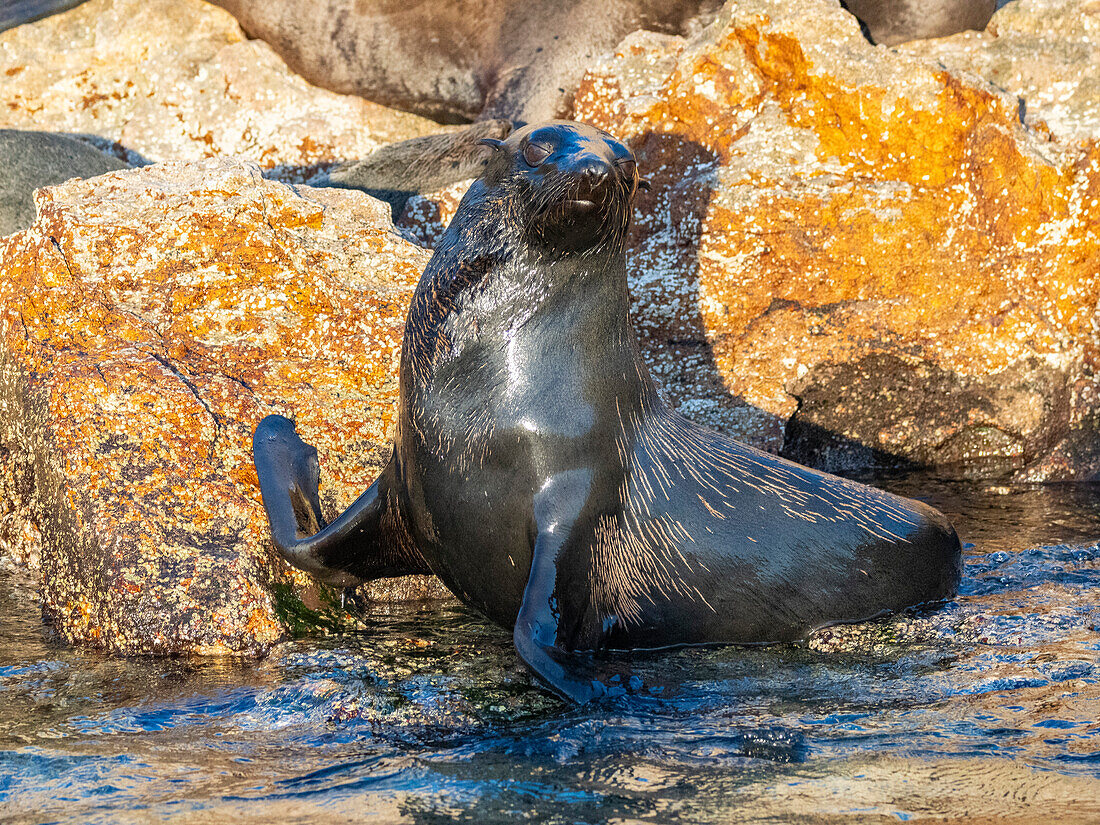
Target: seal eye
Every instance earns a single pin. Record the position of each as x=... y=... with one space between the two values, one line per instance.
x=535 y=153
x=628 y=166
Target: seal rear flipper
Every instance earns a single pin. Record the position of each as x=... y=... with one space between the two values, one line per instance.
x=363 y=543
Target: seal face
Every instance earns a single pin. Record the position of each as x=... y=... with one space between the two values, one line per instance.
x=537 y=471
x=577 y=189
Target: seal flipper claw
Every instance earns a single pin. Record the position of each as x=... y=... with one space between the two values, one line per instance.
x=356 y=547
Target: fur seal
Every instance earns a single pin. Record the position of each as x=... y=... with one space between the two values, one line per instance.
x=31 y=160
x=520 y=60
x=537 y=471
x=890 y=22
x=422 y=164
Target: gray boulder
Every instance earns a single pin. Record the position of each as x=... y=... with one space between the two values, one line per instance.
x=31 y=160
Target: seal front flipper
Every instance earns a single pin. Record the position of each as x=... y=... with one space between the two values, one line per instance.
x=367 y=541
x=558 y=509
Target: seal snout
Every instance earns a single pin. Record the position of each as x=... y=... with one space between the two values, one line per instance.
x=594 y=177
x=594 y=171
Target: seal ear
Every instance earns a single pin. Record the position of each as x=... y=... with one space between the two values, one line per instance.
x=644 y=184
x=492 y=143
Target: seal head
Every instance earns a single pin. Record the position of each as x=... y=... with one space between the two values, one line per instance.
x=575 y=184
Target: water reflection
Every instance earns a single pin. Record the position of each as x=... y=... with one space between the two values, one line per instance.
x=985 y=708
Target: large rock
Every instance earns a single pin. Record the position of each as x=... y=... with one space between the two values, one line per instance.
x=176 y=79
x=852 y=255
x=1046 y=52
x=148 y=319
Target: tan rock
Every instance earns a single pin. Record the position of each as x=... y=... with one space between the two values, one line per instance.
x=176 y=79
x=148 y=319
x=426 y=216
x=861 y=248
x=1046 y=52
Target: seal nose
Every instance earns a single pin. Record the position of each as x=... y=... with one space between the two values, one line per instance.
x=593 y=177
x=595 y=171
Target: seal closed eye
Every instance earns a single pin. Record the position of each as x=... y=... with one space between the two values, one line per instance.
x=538 y=472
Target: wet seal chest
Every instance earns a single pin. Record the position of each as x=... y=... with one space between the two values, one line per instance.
x=537 y=471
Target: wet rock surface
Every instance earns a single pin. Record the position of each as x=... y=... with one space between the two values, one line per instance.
x=150 y=318
x=851 y=255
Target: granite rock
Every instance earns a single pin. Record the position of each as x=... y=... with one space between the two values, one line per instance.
x=1046 y=52
x=852 y=255
x=148 y=319
x=177 y=80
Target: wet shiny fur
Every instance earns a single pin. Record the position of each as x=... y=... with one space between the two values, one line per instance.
x=537 y=471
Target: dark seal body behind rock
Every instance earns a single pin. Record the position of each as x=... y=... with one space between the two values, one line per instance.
x=17 y=12
x=515 y=59
x=896 y=21
x=31 y=160
x=537 y=471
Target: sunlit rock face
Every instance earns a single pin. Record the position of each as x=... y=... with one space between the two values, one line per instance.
x=148 y=319
x=1046 y=52
x=177 y=80
x=852 y=255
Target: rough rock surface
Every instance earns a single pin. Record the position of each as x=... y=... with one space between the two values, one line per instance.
x=850 y=254
x=148 y=319
x=176 y=79
x=1046 y=52
x=426 y=216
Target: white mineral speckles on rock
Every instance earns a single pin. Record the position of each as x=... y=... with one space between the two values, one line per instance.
x=1046 y=52
x=176 y=79
x=128 y=411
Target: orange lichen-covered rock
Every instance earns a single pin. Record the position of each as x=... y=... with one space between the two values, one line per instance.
x=867 y=259
x=1046 y=52
x=148 y=319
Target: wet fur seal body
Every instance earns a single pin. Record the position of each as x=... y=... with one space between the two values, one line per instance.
x=537 y=471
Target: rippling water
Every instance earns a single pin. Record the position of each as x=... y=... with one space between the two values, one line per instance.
x=986 y=710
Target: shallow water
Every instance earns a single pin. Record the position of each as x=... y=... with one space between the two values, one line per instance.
x=985 y=710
